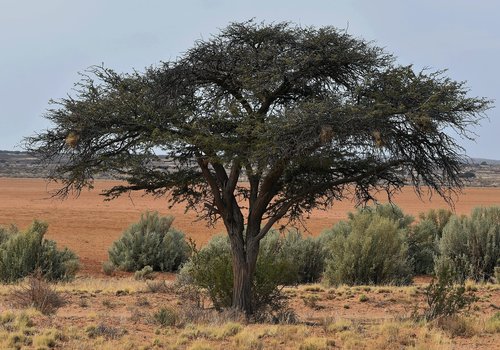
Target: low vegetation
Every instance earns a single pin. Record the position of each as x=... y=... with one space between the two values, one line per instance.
x=375 y=246
x=150 y=242
x=470 y=246
x=210 y=270
x=38 y=294
x=369 y=248
x=167 y=322
x=24 y=252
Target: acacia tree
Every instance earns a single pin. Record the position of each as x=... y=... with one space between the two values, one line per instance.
x=262 y=123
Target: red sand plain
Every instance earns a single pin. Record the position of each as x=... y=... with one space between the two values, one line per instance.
x=88 y=225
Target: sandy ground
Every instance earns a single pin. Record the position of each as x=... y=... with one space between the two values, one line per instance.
x=88 y=225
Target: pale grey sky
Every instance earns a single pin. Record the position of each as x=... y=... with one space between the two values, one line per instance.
x=44 y=44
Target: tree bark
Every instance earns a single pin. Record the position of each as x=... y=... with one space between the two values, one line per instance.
x=244 y=254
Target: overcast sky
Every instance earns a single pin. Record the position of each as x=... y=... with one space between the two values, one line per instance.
x=45 y=43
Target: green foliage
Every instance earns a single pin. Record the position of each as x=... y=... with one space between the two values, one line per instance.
x=21 y=253
x=444 y=298
x=423 y=240
x=368 y=249
x=439 y=217
x=471 y=245
x=274 y=268
x=210 y=269
x=150 y=242
x=423 y=247
x=6 y=232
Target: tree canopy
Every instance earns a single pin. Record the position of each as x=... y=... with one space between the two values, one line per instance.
x=275 y=118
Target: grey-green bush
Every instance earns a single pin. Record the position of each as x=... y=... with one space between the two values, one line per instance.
x=368 y=249
x=439 y=217
x=423 y=240
x=389 y=211
x=150 y=242
x=210 y=269
x=471 y=245
x=22 y=253
x=306 y=254
x=423 y=246
x=445 y=298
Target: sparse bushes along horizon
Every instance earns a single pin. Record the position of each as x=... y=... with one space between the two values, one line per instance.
x=369 y=248
x=150 y=242
x=23 y=253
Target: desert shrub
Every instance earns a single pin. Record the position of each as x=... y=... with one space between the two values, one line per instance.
x=307 y=253
x=274 y=269
x=211 y=270
x=150 y=242
x=391 y=212
x=157 y=287
x=38 y=294
x=492 y=325
x=497 y=274
x=21 y=253
x=439 y=217
x=423 y=246
x=423 y=240
x=444 y=298
x=368 y=249
x=471 y=245
x=457 y=326
x=6 y=232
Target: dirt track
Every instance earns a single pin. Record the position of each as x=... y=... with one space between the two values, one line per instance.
x=88 y=225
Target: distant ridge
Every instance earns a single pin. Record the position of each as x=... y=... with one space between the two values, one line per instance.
x=474 y=160
x=478 y=172
x=485 y=160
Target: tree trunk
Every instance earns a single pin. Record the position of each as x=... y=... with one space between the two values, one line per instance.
x=242 y=286
x=244 y=263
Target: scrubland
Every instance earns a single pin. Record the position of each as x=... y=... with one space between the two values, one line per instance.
x=95 y=311
x=122 y=313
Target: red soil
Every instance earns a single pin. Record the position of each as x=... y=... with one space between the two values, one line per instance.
x=88 y=225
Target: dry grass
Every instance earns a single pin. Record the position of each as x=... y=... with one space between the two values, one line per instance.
x=118 y=313
x=102 y=285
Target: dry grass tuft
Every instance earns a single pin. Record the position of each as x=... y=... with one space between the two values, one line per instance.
x=313 y=343
x=457 y=326
x=38 y=294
